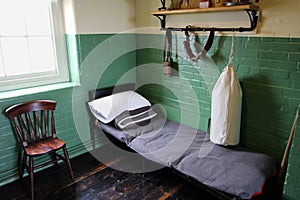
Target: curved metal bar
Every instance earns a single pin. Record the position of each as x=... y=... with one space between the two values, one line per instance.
x=162 y=19
x=253 y=18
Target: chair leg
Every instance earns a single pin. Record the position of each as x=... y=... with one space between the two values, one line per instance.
x=68 y=163
x=31 y=168
x=54 y=158
x=22 y=165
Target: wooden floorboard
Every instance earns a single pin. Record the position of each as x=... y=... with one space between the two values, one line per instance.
x=95 y=180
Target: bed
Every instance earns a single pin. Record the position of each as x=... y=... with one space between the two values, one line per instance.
x=228 y=172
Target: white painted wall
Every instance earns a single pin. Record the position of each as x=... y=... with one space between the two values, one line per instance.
x=278 y=18
x=99 y=16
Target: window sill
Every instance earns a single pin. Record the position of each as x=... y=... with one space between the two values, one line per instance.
x=35 y=90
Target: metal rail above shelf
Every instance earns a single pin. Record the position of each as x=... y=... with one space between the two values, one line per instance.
x=250 y=9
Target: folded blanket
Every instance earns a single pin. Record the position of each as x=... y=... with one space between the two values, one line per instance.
x=137 y=117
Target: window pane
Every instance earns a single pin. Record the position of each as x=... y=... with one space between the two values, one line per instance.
x=12 y=20
x=37 y=14
x=32 y=43
x=15 y=55
x=42 y=54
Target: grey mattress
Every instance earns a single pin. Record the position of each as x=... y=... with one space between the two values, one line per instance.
x=233 y=170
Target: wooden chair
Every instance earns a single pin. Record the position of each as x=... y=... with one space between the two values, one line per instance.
x=35 y=126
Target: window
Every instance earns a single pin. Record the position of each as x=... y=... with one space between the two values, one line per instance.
x=32 y=44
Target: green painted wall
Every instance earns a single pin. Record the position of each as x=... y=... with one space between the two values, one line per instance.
x=82 y=50
x=268 y=68
x=269 y=73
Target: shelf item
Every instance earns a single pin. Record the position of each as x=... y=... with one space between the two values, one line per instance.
x=205 y=10
x=250 y=9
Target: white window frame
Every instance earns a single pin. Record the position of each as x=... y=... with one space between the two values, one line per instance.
x=62 y=75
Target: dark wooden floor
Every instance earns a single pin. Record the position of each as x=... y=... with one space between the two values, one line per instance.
x=95 y=180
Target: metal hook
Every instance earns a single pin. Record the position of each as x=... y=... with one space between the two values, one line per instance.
x=187 y=30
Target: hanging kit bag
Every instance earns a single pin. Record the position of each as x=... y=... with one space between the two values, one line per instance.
x=226 y=107
x=167 y=56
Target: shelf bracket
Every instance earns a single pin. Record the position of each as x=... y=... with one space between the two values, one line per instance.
x=163 y=3
x=162 y=19
x=253 y=18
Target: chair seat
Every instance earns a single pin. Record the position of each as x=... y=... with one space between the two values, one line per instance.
x=43 y=146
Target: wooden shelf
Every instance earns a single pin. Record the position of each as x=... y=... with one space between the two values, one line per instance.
x=205 y=10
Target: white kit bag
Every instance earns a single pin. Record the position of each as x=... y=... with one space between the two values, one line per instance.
x=226 y=107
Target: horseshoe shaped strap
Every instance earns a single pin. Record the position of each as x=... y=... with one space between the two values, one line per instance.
x=207 y=45
x=206 y=48
x=187 y=47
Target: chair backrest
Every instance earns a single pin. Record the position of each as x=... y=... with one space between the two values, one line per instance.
x=33 y=120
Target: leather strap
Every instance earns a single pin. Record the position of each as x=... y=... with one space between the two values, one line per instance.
x=206 y=48
x=187 y=47
x=167 y=51
x=207 y=45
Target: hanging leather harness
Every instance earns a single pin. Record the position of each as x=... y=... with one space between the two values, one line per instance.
x=167 y=54
x=206 y=48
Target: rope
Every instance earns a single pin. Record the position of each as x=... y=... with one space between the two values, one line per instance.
x=232 y=50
